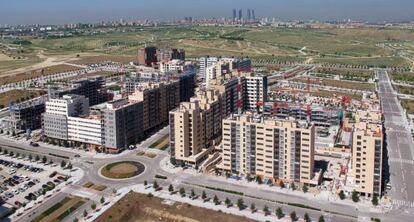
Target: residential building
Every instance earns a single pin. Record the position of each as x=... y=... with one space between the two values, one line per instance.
x=279 y=150
x=367 y=154
x=147 y=56
x=204 y=63
x=158 y=99
x=172 y=66
x=195 y=127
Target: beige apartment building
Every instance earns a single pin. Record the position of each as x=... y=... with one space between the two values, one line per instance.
x=367 y=153
x=195 y=127
x=158 y=99
x=273 y=149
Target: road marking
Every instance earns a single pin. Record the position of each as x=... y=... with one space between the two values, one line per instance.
x=404 y=203
x=398 y=160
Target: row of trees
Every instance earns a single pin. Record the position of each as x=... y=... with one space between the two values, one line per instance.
x=240 y=203
x=36 y=158
x=355 y=197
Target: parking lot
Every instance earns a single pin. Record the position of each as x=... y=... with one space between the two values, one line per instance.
x=27 y=181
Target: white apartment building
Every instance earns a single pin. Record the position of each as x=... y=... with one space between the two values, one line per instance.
x=175 y=65
x=86 y=129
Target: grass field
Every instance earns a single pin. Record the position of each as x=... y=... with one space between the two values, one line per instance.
x=341 y=46
x=16 y=96
x=404 y=89
x=403 y=77
x=139 y=207
x=121 y=170
x=339 y=83
x=162 y=143
x=408 y=105
x=94 y=186
x=60 y=210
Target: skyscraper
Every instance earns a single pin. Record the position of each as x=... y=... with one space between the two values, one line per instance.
x=234 y=14
x=240 y=14
x=249 y=16
x=253 y=15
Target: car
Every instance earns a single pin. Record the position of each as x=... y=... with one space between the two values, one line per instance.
x=34 y=144
x=77 y=155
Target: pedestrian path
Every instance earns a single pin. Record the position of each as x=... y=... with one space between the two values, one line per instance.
x=399 y=203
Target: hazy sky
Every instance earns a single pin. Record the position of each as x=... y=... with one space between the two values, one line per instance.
x=68 y=11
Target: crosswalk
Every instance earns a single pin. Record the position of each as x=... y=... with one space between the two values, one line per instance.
x=397 y=160
x=402 y=203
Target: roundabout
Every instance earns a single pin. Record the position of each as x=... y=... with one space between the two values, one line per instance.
x=122 y=170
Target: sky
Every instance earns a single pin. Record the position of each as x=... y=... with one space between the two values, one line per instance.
x=72 y=11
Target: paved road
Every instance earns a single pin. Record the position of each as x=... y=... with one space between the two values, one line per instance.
x=400 y=147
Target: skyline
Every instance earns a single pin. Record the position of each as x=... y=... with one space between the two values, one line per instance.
x=60 y=12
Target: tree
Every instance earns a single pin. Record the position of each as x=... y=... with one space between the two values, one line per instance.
x=204 y=195
x=259 y=180
x=145 y=183
x=216 y=200
x=75 y=220
x=355 y=196
x=227 y=202
x=305 y=188
x=44 y=159
x=93 y=206
x=321 y=219
x=279 y=213
x=341 y=195
x=192 y=193
x=62 y=164
x=37 y=158
x=292 y=185
x=307 y=218
x=293 y=216
x=375 y=200
x=69 y=166
x=155 y=184
x=240 y=204
x=182 y=191
x=30 y=157
x=171 y=188
x=85 y=213
x=102 y=200
x=253 y=207
x=266 y=210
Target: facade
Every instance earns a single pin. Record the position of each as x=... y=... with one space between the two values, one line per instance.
x=147 y=56
x=255 y=91
x=367 y=155
x=195 y=127
x=25 y=116
x=158 y=99
x=92 y=88
x=272 y=149
x=204 y=63
x=171 y=66
x=55 y=119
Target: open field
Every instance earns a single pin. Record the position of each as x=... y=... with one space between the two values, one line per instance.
x=16 y=96
x=36 y=73
x=404 y=89
x=403 y=77
x=408 y=105
x=60 y=210
x=348 y=74
x=382 y=62
x=161 y=143
x=98 y=59
x=339 y=83
x=139 y=207
x=342 y=46
x=328 y=94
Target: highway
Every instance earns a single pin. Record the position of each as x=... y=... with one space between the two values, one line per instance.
x=399 y=147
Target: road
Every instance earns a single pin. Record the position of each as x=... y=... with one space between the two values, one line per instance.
x=91 y=165
x=400 y=147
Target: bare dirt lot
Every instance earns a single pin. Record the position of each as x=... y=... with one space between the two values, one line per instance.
x=15 y=95
x=36 y=73
x=136 y=207
x=98 y=59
